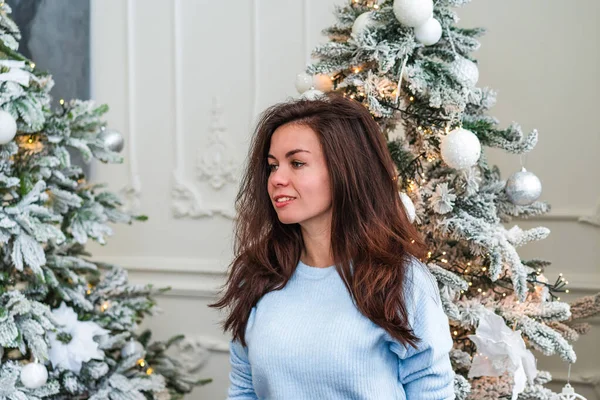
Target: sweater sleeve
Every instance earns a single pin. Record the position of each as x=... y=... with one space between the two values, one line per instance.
x=240 y=377
x=425 y=372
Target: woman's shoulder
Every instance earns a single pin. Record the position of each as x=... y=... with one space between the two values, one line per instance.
x=419 y=280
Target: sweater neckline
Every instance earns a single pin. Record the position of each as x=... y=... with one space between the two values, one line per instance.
x=314 y=272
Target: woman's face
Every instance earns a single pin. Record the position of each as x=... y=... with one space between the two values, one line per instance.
x=298 y=170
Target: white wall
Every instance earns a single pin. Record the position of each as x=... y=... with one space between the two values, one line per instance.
x=185 y=86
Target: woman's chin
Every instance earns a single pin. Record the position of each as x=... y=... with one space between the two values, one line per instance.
x=287 y=219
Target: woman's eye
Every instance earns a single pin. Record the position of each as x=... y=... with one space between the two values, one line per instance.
x=295 y=164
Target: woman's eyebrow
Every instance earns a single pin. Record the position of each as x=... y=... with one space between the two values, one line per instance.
x=289 y=153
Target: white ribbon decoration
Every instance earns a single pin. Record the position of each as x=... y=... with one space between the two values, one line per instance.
x=500 y=350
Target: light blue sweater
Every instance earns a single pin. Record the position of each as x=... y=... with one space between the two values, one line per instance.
x=308 y=341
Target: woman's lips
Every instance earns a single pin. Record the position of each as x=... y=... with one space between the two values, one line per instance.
x=280 y=204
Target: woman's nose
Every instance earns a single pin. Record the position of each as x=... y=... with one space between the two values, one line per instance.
x=279 y=177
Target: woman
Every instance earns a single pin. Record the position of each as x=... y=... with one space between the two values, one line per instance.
x=327 y=297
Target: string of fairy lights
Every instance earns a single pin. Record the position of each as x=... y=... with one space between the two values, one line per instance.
x=474 y=276
x=104 y=306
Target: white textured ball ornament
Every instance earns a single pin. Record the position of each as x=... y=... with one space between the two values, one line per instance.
x=8 y=127
x=460 y=149
x=429 y=33
x=312 y=94
x=408 y=206
x=523 y=188
x=413 y=13
x=34 y=375
x=361 y=22
x=132 y=347
x=466 y=71
x=304 y=82
x=322 y=82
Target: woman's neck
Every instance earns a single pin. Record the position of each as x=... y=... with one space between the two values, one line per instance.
x=317 y=248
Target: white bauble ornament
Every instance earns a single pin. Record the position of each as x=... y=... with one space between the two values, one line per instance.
x=304 y=82
x=361 y=22
x=112 y=139
x=429 y=33
x=409 y=206
x=34 y=375
x=312 y=94
x=132 y=347
x=465 y=70
x=8 y=127
x=523 y=188
x=568 y=393
x=322 y=82
x=413 y=13
x=460 y=149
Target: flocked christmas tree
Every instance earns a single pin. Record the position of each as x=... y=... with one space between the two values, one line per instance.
x=409 y=63
x=67 y=323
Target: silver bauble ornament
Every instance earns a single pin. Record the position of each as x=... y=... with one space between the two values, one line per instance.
x=465 y=70
x=429 y=33
x=409 y=206
x=112 y=139
x=523 y=188
x=312 y=94
x=34 y=375
x=413 y=13
x=322 y=82
x=8 y=127
x=304 y=82
x=460 y=149
x=132 y=347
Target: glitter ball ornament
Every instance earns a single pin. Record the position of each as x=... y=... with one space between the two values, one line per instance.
x=312 y=94
x=34 y=375
x=304 y=82
x=132 y=347
x=112 y=139
x=460 y=149
x=408 y=206
x=322 y=82
x=8 y=127
x=413 y=13
x=523 y=188
x=465 y=70
x=429 y=33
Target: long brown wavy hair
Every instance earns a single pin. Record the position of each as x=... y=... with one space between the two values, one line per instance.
x=369 y=225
